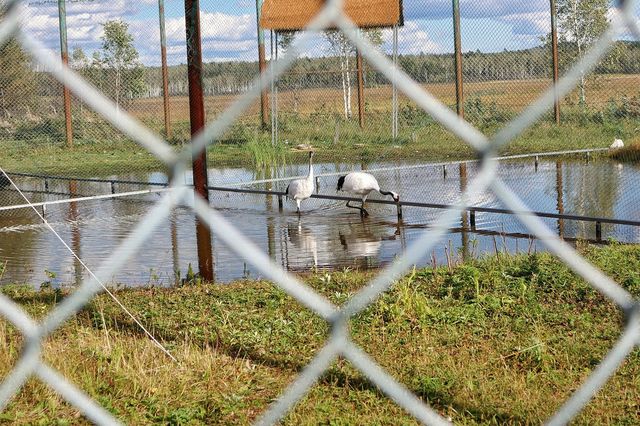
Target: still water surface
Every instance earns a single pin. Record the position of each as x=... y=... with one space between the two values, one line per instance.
x=326 y=235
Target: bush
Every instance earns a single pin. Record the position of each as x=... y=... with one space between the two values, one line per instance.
x=47 y=130
x=485 y=114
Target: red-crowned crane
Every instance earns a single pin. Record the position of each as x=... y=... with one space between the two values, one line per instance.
x=301 y=189
x=361 y=183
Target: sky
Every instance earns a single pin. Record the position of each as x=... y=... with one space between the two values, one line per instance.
x=229 y=26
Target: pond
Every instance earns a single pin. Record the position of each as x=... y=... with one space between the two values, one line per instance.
x=327 y=235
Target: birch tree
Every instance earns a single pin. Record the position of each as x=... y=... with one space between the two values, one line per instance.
x=581 y=23
x=342 y=47
x=120 y=56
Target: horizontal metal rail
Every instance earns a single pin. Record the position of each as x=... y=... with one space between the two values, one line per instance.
x=90 y=198
x=280 y=194
x=472 y=209
x=80 y=179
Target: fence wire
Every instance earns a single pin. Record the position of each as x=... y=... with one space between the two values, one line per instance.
x=339 y=343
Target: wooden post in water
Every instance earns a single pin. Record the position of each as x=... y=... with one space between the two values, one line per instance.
x=196 y=115
x=72 y=216
x=559 y=197
x=464 y=215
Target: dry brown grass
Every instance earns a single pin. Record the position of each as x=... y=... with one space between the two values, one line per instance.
x=510 y=94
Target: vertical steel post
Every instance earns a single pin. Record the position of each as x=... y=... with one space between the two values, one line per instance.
x=394 y=89
x=458 y=58
x=360 y=88
x=262 y=66
x=165 y=72
x=64 y=52
x=196 y=116
x=554 y=60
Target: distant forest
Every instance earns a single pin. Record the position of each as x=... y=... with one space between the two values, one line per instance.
x=235 y=77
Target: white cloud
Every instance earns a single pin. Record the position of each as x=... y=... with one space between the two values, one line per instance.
x=533 y=23
x=412 y=39
x=223 y=35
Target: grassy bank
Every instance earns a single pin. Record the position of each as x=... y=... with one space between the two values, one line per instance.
x=630 y=152
x=429 y=142
x=498 y=340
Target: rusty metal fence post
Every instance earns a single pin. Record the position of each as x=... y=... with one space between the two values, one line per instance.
x=262 y=66
x=197 y=118
x=64 y=53
x=165 y=72
x=458 y=58
x=554 y=60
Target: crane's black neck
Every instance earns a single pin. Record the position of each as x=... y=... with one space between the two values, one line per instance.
x=386 y=193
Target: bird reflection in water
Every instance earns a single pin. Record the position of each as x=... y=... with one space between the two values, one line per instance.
x=303 y=239
x=364 y=240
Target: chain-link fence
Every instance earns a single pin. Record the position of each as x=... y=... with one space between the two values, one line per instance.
x=506 y=92
x=506 y=56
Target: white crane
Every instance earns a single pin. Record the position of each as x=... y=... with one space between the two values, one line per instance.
x=301 y=189
x=361 y=183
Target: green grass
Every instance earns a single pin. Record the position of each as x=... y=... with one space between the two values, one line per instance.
x=502 y=339
x=630 y=152
x=244 y=147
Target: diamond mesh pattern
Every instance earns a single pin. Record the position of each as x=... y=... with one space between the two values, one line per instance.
x=339 y=343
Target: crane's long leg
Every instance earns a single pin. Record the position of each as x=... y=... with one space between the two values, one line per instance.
x=363 y=212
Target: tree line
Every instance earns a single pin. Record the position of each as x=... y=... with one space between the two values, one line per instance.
x=118 y=72
x=325 y=72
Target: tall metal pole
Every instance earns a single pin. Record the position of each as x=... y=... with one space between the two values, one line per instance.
x=64 y=52
x=165 y=72
x=554 y=61
x=262 y=66
x=360 y=88
x=196 y=115
x=458 y=58
x=394 y=89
